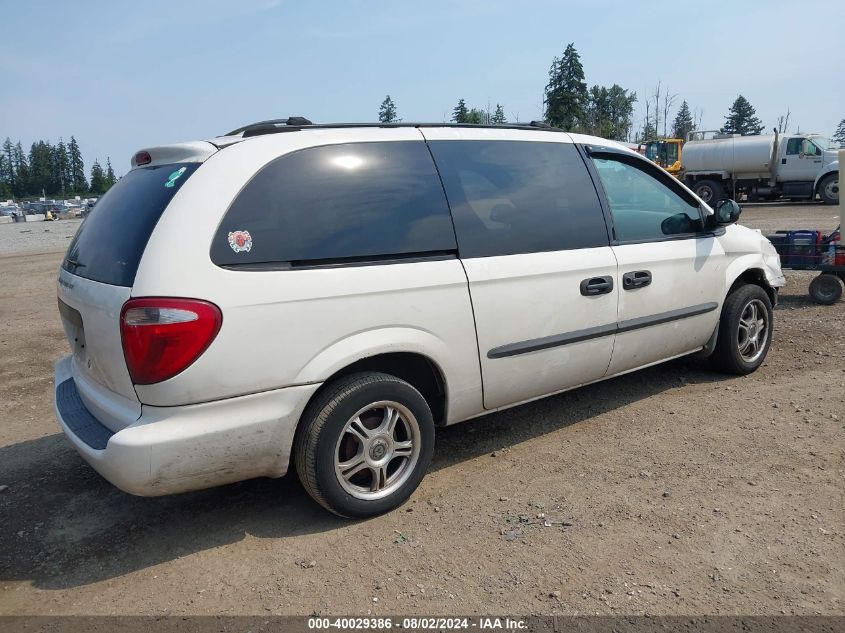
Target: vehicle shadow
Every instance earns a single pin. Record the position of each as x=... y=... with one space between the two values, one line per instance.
x=797 y=301
x=62 y=525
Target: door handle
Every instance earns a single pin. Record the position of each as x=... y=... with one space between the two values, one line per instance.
x=636 y=279
x=596 y=286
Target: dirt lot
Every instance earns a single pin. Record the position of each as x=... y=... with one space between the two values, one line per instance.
x=670 y=491
x=29 y=237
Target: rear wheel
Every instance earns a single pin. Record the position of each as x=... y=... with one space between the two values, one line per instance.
x=829 y=189
x=709 y=191
x=745 y=331
x=826 y=289
x=364 y=444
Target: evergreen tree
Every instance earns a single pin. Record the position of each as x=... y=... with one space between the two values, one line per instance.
x=43 y=175
x=839 y=134
x=110 y=178
x=609 y=112
x=648 y=132
x=21 y=185
x=77 y=169
x=477 y=116
x=566 y=94
x=597 y=113
x=621 y=110
x=741 y=119
x=98 y=179
x=499 y=115
x=8 y=164
x=683 y=122
x=5 y=185
x=39 y=169
x=62 y=167
x=387 y=111
x=461 y=112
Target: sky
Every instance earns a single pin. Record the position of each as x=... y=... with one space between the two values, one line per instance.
x=121 y=75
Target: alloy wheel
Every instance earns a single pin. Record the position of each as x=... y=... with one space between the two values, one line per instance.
x=753 y=331
x=377 y=450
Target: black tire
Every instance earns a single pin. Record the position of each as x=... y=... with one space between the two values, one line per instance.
x=829 y=189
x=728 y=356
x=323 y=434
x=826 y=289
x=710 y=191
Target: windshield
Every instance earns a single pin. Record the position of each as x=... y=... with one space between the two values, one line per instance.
x=663 y=153
x=671 y=153
x=821 y=141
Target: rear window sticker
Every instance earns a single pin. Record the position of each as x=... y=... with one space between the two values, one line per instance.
x=240 y=241
x=172 y=178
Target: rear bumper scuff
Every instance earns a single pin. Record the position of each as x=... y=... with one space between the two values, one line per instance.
x=176 y=449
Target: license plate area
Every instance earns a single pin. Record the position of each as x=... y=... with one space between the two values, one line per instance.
x=75 y=331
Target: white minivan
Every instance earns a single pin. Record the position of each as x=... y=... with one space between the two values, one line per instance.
x=327 y=295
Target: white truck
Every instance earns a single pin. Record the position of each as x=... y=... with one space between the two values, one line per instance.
x=762 y=167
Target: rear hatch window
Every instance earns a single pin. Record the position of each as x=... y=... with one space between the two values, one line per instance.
x=109 y=244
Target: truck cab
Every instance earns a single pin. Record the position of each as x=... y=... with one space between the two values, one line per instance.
x=802 y=157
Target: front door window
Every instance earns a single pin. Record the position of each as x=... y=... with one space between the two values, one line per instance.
x=644 y=208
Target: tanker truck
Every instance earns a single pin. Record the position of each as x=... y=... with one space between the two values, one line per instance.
x=762 y=167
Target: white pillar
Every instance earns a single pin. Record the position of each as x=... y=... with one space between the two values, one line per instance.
x=841 y=202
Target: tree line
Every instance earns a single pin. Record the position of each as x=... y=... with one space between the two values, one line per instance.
x=608 y=112
x=569 y=104
x=50 y=170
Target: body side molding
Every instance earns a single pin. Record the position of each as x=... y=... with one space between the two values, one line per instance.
x=556 y=340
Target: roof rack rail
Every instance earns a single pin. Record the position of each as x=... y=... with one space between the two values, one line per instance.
x=293 y=124
x=271 y=125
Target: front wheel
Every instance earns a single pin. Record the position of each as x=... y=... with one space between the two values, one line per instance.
x=745 y=331
x=364 y=444
x=829 y=189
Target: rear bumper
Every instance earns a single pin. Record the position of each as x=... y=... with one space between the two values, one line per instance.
x=176 y=449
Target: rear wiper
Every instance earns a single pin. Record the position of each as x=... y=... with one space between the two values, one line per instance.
x=74 y=263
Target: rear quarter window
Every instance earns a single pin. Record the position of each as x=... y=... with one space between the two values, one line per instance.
x=109 y=244
x=352 y=201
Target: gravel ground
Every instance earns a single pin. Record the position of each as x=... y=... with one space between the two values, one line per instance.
x=672 y=490
x=36 y=237
x=789 y=216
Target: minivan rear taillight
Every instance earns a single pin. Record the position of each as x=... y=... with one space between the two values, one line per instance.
x=162 y=337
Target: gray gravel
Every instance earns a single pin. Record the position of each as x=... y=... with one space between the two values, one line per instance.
x=36 y=237
x=784 y=216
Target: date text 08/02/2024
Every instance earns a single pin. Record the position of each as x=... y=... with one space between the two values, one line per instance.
x=418 y=623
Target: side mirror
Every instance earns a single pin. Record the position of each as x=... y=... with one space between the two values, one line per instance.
x=726 y=212
x=677 y=224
